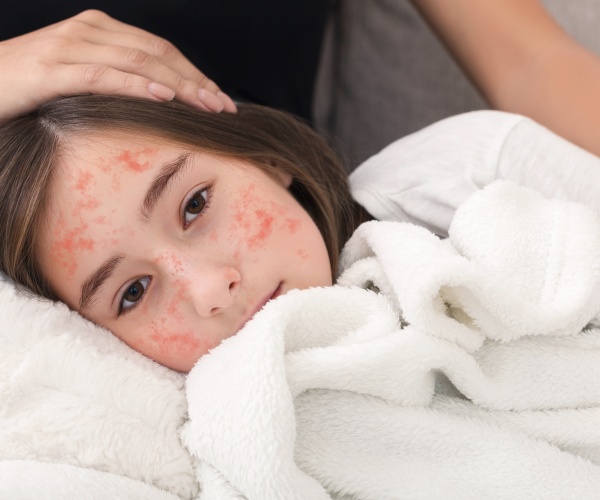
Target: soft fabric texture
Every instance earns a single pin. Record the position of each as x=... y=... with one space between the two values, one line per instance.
x=78 y=404
x=424 y=177
x=458 y=368
x=384 y=73
x=490 y=389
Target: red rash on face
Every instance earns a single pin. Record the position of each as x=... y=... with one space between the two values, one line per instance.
x=68 y=244
x=303 y=254
x=257 y=222
x=87 y=204
x=132 y=160
x=175 y=263
x=84 y=202
x=71 y=242
x=180 y=294
x=265 y=228
x=108 y=168
x=292 y=225
x=84 y=181
x=175 y=342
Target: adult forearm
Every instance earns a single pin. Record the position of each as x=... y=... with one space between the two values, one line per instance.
x=522 y=61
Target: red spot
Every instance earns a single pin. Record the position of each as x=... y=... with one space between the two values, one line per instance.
x=81 y=186
x=253 y=220
x=242 y=219
x=171 y=260
x=100 y=220
x=68 y=245
x=264 y=229
x=173 y=305
x=133 y=162
x=303 y=254
x=116 y=182
x=176 y=264
x=175 y=343
x=292 y=225
x=84 y=181
x=127 y=231
x=105 y=164
x=89 y=203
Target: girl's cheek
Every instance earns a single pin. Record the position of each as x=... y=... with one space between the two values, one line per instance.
x=173 y=344
x=169 y=339
x=251 y=222
x=254 y=221
x=177 y=349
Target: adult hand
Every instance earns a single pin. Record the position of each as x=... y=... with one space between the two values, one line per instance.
x=94 y=53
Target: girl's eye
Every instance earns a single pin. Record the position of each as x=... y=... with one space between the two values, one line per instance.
x=195 y=206
x=133 y=294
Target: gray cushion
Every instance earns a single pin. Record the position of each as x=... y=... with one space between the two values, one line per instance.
x=384 y=74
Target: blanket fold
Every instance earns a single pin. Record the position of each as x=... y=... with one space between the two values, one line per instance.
x=458 y=368
x=344 y=392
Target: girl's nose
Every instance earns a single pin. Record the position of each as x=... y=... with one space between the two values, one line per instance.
x=205 y=284
x=214 y=290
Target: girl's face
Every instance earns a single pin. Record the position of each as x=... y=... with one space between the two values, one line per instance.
x=172 y=250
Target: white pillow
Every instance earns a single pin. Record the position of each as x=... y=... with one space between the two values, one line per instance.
x=72 y=393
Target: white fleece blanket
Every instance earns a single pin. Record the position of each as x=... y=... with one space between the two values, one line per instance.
x=468 y=376
x=470 y=369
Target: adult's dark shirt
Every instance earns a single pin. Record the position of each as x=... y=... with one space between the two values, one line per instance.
x=263 y=51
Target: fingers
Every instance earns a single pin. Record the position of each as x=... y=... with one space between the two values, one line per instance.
x=101 y=79
x=93 y=53
x=136 y=62
x=97 y=39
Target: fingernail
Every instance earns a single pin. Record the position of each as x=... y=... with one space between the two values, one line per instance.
x=161 y=92
x=227 y=102
x=210 y=100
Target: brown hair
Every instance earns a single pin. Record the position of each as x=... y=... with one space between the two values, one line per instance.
x=272 y=140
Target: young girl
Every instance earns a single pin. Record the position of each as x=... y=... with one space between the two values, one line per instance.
x=169 y=226
x=173 y=227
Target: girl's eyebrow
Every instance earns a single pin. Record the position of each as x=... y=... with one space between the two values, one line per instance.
x=92 y=285
x=160 y=183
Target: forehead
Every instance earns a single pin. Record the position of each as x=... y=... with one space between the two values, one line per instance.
x=106 y=164
x=96 y=177
x=124 y=152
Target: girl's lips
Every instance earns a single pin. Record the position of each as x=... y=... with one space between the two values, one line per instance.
x=274 y=294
